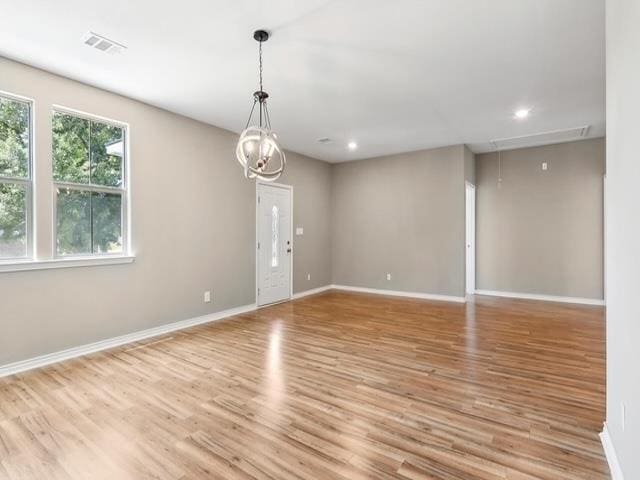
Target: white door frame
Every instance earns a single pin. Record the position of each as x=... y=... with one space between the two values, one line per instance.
x=286 y=187
x=604 y=238
x=469 y=238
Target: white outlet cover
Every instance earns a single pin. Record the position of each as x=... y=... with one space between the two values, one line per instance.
x=388 y=276
x=207 y=296
x=544 y=165
x=308 y=276
x=299 y=230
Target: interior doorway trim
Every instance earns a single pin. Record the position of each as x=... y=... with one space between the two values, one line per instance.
x=291 y=229
x=470 y=238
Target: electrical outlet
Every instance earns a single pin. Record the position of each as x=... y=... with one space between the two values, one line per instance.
x=308 y=276
x=623 y=413
x=388 y=276
x=207 y=296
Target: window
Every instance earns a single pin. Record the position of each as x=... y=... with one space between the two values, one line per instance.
x=89 y=165
x=275 y=227
x=15 y=179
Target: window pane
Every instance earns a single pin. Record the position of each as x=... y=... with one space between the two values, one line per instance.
x=70 y=148
x=14 y=138
x=275 y=229
x=107 y=151
x=107 y=222
x=13 y=220
x=73 y=215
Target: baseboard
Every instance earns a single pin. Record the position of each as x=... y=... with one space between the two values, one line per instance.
x=397 y=293
x=312 y=291
x=546 y=298
x=609 y=451
x=67 y=354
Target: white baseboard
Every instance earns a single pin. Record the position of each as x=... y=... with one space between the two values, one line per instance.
x=312 y=291
x=609 y=451
x=397 y=293
x=43 y=360
x=546 y=298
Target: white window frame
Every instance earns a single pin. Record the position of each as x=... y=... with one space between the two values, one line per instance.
x=28 y=182
x=124 y=190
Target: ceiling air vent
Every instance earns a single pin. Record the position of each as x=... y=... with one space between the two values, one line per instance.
x=324 y=140
x=537 y=139
x=103 y=44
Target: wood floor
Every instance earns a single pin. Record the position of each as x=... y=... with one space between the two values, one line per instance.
x=335 y=386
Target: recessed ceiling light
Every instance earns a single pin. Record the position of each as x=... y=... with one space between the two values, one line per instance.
x=522 y=113
x=352 y=145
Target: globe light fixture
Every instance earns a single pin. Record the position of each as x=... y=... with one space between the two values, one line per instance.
x=258 y=150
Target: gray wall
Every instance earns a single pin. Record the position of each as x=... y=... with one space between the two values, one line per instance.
x=312 y=211
x=469 y=166
x=193 y=228
x=623 y=231
x=404 y=215
x=541 y=231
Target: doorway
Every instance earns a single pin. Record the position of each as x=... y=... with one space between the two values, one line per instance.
x=274 y=257
x=470 y=238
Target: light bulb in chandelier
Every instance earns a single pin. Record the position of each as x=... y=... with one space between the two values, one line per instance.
x=258 y=150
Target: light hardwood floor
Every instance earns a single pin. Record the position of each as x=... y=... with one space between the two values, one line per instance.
x=335 y=386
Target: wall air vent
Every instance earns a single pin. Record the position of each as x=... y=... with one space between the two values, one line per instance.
x=103 y=44
x=538 y=139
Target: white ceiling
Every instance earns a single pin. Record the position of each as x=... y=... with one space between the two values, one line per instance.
x=393 y=75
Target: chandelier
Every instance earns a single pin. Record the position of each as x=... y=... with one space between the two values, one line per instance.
x=258 y=151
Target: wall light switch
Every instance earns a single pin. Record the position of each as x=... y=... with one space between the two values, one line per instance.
x=388 y=276
x=299 y=231
x=207 y=297
x=544 y=165
x=308 y=276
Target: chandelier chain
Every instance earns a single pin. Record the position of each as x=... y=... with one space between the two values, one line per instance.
x=260 y=55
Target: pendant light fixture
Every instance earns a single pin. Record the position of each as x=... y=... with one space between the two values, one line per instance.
x=258 y=150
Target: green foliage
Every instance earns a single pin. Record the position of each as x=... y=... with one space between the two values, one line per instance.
x=88 y=222
x=107 y=222
x=70 y=148
x=74 y=222
x=80 y=151
x=14 y=138
x=106 y=169
x=14 y=162
x=13 y=220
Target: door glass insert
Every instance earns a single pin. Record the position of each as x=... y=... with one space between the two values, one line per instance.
x=275 y=228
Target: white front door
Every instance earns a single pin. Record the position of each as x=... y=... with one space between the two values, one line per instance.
x=470 y=238
x=274 y=243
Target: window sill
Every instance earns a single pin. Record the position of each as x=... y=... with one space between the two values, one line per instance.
x=26 y=265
